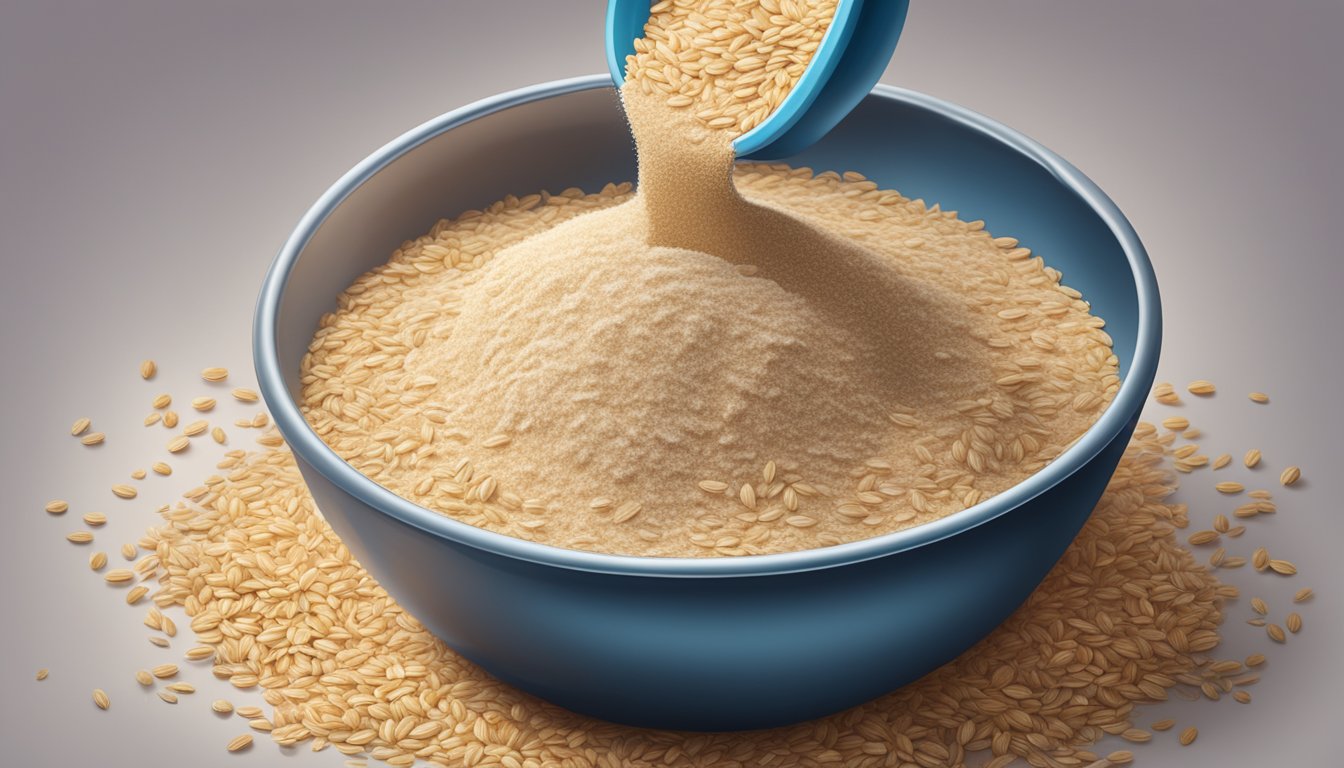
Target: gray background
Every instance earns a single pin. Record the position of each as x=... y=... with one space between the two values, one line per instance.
x=154 y=155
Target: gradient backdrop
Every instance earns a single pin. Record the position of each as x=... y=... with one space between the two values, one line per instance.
x=154 y=155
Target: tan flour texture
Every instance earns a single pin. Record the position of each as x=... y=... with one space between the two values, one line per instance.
x=728 y=363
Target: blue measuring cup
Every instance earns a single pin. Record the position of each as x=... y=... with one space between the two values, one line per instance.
x=845 y=67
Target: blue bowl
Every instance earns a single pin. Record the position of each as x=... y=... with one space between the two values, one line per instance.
x=713 y=643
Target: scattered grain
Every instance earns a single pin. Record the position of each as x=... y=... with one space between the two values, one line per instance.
x=80 y=426
x=1252 y=457
x=1259 y=397
x=119 y=576
x=124 y=491
x=203 y=403
x=57 y=507
x=1189 y=735
x=240 y=743
x=215 y=374
x=245 y=395
x=1290 y=475
x=1201 y=387
x=1282 y=567
x=148 y=369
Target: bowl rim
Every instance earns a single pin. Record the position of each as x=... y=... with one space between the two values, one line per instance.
x=310 y=448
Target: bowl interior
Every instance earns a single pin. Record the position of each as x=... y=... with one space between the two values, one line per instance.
x=573 y=134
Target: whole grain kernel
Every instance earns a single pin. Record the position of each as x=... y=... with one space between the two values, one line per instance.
x=136 y=594
x=222 y=706
x=1259 y=606
x=100 y=698
x=1222 y=461
x=240 y=743
x=124 y=491
x=1290 y=475
x=179 y=444
x=1255 y=659
x=217 y=434
x=1242 y=697
x=200 y=653
x=196 y=428
x=161 y=401
x=1304 y=594
x=1203 y=537
x=42 y=674
x=138 y=474
x=215 y=374
x=1259 y=397
x=148 y=369
x=168 y=697
x=1163 y=725
x=94 y=519
x=97 y=561
x=160 y=468
x=118 y=576
x=164 y=670
x=93 y=438
x=1282 y=567
x=1275 y=633
x=1293 y=622
x=79 y=537
x=80 y=426
x=1229 y=487
x=245 y=395
x=203 y=403
x=170 y=419
x=1188 y=736
x=57 y=507
x=1260 y=558
x=1201 y=387
x=144 y=678
x=1252 y=457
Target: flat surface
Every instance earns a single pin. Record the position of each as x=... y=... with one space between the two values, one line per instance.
x=153 y=157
